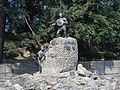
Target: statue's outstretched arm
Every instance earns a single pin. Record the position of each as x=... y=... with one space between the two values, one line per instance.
x=53 y=24
x=65 y=21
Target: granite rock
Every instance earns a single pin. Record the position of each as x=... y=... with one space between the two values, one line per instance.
x=61 y=56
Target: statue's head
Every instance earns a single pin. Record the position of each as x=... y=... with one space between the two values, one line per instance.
x=60 y=15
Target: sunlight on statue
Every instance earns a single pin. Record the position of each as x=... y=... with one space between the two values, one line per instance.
x=61 y=24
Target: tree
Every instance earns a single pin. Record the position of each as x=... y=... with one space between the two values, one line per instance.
x=96 y=23
x=3 y=4
x=91 y=22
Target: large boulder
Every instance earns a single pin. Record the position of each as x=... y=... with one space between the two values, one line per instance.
x=61 y=56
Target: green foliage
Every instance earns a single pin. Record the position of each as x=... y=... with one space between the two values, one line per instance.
x=92 y=26
x=10 y=50
x=93 y=22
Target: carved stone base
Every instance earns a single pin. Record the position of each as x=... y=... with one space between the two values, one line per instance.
x=62 y=56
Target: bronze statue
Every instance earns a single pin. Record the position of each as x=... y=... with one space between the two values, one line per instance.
x=61 y=24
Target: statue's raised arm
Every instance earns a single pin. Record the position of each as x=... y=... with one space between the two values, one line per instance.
x=65 y=20
x=61 y=24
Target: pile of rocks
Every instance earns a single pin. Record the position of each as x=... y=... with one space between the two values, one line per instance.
x=59 y=72
x=80 y=79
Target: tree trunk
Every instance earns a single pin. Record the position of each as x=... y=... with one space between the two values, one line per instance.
x=2 y=27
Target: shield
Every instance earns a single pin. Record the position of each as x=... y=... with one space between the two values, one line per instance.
x=60 y=22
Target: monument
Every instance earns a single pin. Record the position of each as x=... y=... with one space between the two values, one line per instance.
x=61 y=24
x=58 y=63
x=62 y=54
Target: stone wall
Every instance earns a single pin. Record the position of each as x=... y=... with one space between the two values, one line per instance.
x=22 y=66
x=12 y=67
x=103 y=67
x=18 y=67
x=5 y=72
x=100 y=67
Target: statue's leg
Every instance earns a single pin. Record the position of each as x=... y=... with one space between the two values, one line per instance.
x=65 y=33
x=58 y=32
x=64 y=28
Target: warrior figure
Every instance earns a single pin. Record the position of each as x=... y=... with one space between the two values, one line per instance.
x=61 y=24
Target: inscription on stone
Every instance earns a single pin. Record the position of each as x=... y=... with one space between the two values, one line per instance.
x=70 y=45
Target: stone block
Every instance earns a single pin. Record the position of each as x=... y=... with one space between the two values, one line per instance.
x=5 y=72
x=109 y=64
x=71 y=73
x=116 y=64
x=112 y=71
x=5 y=68
x=103 y=67
x=5 y=76
x=99 y=64
x=100 y=71
x=61 y=56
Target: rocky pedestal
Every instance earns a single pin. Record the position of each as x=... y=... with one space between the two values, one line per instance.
x=61 y=56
